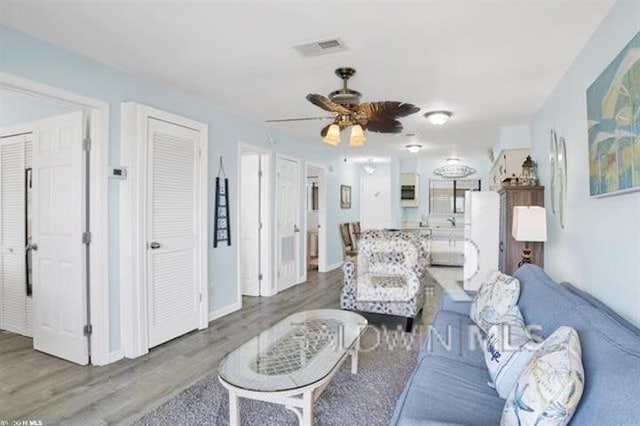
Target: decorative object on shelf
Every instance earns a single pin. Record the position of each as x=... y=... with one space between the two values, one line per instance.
x=529 y=225
x=221 y=225
x=562 y=180
x=345 y=196
x=454 y=170
x=614 y=128
x=381 y=117
x=528 y=177
x=438 y=118
x=553 y=168
x=413 y=148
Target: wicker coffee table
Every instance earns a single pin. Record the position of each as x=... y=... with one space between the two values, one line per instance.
x=292 y=362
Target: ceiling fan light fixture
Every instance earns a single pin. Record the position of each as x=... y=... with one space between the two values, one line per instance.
x=414 y=148
x=333 y=135
x=438 y=118
x=357 y=136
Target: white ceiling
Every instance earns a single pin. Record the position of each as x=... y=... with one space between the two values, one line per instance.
x=491 y=62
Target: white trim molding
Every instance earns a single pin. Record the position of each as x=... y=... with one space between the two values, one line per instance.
x=99 y=303
x=219 y=313
x=334 y=266
x=133 y=224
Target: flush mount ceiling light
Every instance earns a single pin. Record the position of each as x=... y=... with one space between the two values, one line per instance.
x=438 y=118
x=454 y=170
x=414 y=148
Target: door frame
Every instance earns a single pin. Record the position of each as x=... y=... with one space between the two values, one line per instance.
x=301 y=176
x=98 y=272
x=266 y=258
x=322 y=219
x=133 y=224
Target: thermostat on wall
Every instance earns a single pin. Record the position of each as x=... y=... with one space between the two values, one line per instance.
x=118 y=173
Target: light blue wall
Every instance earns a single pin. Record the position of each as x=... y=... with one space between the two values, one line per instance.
x=34 y=59
x=599 y=250
x=18 y=108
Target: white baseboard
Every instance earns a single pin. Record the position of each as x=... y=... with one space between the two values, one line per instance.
x=218 y=313
x=334 y=266
x=116 y=355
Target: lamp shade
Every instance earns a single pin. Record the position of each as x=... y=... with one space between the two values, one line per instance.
x=357 y=136
x=333 y=135
x=529 y=223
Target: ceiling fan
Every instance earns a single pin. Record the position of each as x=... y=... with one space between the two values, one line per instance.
x=381 y=117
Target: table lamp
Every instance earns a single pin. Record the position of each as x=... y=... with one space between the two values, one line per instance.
x=529 y=225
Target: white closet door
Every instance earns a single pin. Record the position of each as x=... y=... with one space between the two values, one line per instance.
x=375 y=202
x=13 y=293
x=250 y=224
x=172 y=249
x=288 y=214
x=59 y=277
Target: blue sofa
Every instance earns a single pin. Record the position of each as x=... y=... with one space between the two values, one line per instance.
x=449 y=385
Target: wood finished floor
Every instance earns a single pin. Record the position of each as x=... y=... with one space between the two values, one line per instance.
x=36 y=386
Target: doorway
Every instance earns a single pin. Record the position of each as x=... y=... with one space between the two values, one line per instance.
x=254 y=273
x=46 y=194
x=288 y=185
x=316 y=216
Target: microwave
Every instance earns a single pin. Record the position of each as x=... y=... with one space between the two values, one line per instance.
x=408 y=193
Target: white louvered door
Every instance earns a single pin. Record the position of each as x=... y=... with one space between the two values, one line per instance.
x=288 y=214
x=13 y=294
x=172 y=229
x=59 y=276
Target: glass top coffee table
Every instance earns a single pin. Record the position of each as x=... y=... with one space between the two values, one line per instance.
x=292 y=362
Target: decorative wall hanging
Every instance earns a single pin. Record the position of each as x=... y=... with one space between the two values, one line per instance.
x=345 y=197
x=562 y=180
x=221 y=225
x=613 y=112
x=454 y=170
x=553 y=168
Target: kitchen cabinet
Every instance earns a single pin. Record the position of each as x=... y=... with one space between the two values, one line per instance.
x=447 y=246
x=510 y=250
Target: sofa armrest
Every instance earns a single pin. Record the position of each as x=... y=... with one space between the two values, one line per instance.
x=459 y=304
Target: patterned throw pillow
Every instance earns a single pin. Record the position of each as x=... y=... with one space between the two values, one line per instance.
x=550 y=387
x=509 y=347
x=495 y=297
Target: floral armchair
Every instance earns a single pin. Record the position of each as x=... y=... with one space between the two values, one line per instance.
x=390 y=275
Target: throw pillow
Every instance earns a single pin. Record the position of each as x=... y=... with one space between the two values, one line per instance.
x=495 y=297
x=509 y=347
x=550 y=387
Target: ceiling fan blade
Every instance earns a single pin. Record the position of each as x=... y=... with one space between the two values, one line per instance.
x=383 y=126
x=385 y=110
x=281 y=120
x=326 y=104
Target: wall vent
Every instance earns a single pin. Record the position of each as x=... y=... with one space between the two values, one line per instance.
x=321 y=47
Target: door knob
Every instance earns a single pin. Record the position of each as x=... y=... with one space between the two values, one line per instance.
x=295 y=228
x=32 y=246
x=154 y=245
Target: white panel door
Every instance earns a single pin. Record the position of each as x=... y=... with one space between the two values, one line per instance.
x=172 y=229
x=13 y=294
x=375 y=202
x=287 y=216
x=59 y=276
x=250 y=224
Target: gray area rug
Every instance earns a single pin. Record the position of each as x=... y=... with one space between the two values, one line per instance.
x=367 y=398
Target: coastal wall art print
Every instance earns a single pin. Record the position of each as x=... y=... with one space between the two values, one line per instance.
x=613 y=111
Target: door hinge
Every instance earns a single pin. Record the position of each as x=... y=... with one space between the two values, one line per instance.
x=86 y=238
x=201 y=297
x=260 y=173
x=260 y=226
x=259 y=277
x=87 y=330
x=86 y=144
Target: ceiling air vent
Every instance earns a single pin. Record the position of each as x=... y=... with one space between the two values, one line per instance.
x=321 y=47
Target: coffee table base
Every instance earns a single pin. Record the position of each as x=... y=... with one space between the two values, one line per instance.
x=300 y=401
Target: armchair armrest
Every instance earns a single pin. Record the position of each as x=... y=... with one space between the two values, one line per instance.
x=349 y=270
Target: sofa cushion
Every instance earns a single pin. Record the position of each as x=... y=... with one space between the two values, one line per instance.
x=497 y=294
x=550 y=387
x=459 y=301
x=444 y=391
x=455 y=336
x=508 y=349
